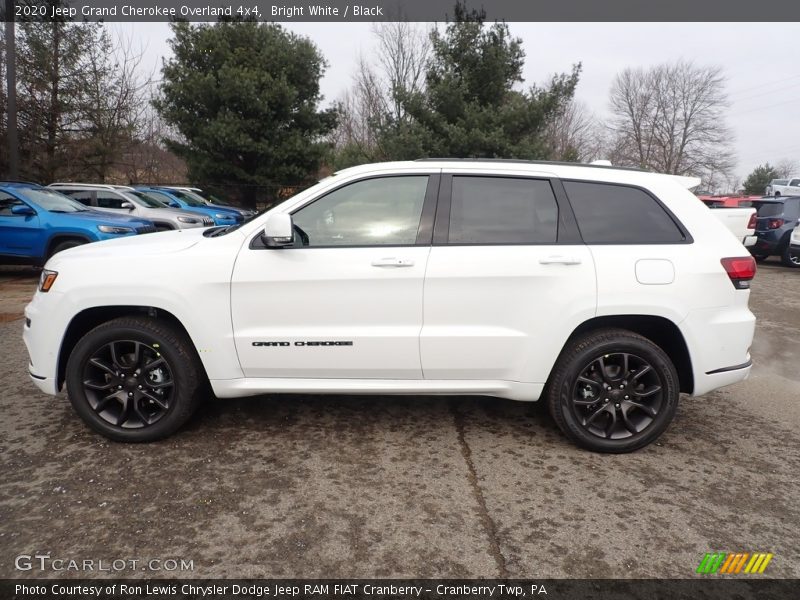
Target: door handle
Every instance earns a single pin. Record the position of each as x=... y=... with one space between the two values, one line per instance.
x=392 y=262
x=560 y=260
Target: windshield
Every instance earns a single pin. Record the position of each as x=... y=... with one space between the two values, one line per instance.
x=769 y=209
x=188 y=197
x=52 y=201
x=146 y=199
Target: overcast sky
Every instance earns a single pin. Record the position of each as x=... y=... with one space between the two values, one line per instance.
x=761 y=62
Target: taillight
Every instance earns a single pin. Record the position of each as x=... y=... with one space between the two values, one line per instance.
x=741 y=270
x=751 y=224
x=774 y=223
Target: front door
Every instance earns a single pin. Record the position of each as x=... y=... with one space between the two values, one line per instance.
x=346 y=300
x=19 y=234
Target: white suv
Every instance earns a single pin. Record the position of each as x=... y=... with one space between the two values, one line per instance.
x=604 y=291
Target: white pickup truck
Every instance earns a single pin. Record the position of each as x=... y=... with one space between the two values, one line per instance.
x=784 y=187
x=740 y=221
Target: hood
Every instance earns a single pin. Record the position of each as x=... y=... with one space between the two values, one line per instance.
x=132 y=246
x=104 y=218
x=177 y=212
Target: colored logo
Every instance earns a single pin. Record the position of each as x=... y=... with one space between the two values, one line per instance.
x=734 y=563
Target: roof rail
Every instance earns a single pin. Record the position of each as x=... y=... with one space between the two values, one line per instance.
x=532 y=162
x=101 y=186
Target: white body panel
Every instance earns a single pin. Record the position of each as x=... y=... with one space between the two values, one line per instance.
x=737 y=221
x=488 y=319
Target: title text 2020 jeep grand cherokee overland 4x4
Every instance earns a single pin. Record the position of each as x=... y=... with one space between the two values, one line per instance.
x=605 y=291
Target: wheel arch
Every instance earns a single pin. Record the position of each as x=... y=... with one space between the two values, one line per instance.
x=63 y=237
x=89 y=318
x=659 y=330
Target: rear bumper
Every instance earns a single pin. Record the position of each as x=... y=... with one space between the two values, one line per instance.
x=719 y=342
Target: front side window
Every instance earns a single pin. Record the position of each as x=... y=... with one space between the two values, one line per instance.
x=502 y=210
x=384 y=211
x=795 y=183
x=7 y=202
x=109 y=200
x=619 y=214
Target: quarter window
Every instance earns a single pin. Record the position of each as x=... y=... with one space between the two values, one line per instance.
x=383 y=211
x=502 y=210
x=618 y=214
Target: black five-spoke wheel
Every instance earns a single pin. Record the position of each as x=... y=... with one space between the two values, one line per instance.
x=128 y=383
x=613 y=390
x=617 y=395
x=134 y=379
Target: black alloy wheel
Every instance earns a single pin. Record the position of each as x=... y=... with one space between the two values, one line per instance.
x=128 y=383
x=617 y=395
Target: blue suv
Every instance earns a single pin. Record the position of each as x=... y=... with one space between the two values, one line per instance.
x=36 y=222
x=776 y=218
x=221 y=214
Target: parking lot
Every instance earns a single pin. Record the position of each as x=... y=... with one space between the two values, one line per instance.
x=408 y=487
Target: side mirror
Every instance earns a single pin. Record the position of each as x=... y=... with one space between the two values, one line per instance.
x=22 y=210
x=126 y=206
x=278 y=231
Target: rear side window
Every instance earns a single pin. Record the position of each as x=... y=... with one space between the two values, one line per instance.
x=502 y=210
x=84 y=197
x=618 y=214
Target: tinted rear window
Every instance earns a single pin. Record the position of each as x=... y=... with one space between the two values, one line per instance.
x=502 y=210
x=769 y=209
x=618 y=214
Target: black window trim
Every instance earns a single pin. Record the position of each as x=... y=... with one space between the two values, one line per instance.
x=687 y=237
x=424 y=231
x=566 y=234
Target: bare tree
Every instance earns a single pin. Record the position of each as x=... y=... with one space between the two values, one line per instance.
x=114 y=106
x=670 y=119
x=787 y=167
x=575 y=134
x=395 y=69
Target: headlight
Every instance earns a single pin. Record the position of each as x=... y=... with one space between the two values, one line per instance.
x=114 y=229
x=222 y=216
x=46 y=280
x=187 y=220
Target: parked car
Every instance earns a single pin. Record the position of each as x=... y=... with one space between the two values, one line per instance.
x=783 y=187
x=207 y=199
x=603 y=291
x=776 y=218
x=121 y=199
x=794 y=244
x=37 y=222
x=220 y=215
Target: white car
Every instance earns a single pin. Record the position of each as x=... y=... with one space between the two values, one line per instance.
x=604 y=292
x=784 y=187
x=794 y=245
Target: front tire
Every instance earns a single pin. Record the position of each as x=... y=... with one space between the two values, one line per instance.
x=134 y=379
x=613 y=391
x=66 y=245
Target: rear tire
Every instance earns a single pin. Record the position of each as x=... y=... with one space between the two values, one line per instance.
x=613 y=391
x=789 y=258
x=134 y=379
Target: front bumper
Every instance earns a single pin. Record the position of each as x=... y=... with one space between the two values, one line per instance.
x=42 y=332
x=750 y=240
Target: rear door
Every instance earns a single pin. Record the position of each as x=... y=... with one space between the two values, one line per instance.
x=508 y=279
